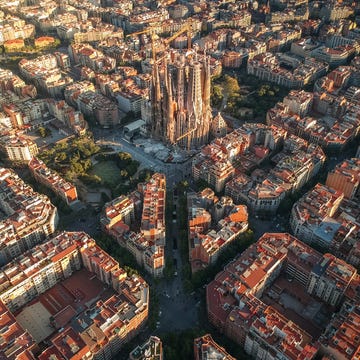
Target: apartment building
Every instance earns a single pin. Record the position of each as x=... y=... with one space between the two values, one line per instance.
x=301 y=13
x=153 y=213
x=73 y=91
x=325 y=217
x=238 y=297
x=345 y=178
x=99 y=328
x=12 y=27
x=147 y=207
x=295 y=165
x=18 y=343
x=333 y=11
x=336 y=56
x=299 y=102
x=319 y=203
x=100 y=107
x=64 y=189
x=140 y=20
x=207 y=241
x=150 y=350
x=22 y=112
x=213 y=164
x=38 y=269
x=341 y=339
x=304 y=47
x=30 y=217
x=205 y=348
x=267 y=67
x=72 y=118
x=18 y=147
x=10 y=81
x=86 y=55
x=226 y=161
x=120 y=209
x=332 y=137
x=330 y=279
x=44 y=72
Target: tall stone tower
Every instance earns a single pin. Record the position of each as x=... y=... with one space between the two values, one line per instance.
x=180 y=100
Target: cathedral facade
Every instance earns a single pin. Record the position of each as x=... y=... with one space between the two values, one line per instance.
x=180 y=111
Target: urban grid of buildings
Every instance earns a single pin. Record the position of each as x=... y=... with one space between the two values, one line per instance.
x=147 y=207
x=233 y=163
x=328 y=215
x=62 y=297
x=242 y=304
x=63 y=281
x=64 y=189
x=29 y=216
x=213 y=224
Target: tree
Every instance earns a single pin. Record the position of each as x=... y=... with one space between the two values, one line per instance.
x=77 y=168
x=132 y=167
x=87 y=164
x=61 y=157
x=231 y=86
x=124 y=156
x=90 y=179
x=42 y=132
x=124 y=174
x=216 y=95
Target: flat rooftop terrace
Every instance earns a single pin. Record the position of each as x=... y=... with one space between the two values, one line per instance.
x=291 y=299
x=56 y=307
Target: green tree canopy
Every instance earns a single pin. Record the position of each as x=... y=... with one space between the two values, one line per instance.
x=231 y=86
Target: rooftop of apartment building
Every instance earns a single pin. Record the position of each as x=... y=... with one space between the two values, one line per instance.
x=324 y=206
x=205 y=348
x=57 y=182
x=121 y=214
x=79 y=307
x=213 y=223
x=231 y=296
x=342 y=335
x=17 y=341
x=150 y=349
x=349 y=170
x=153 y=192
x=25 y=209
x=237 y=154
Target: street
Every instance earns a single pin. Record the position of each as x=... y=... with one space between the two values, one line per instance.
x=178 y=309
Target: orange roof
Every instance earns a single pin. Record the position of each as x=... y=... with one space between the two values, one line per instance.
x=241 y=215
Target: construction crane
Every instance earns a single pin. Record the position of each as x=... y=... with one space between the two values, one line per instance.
x=187 y=134
x=151 y=31
x=187 y=27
